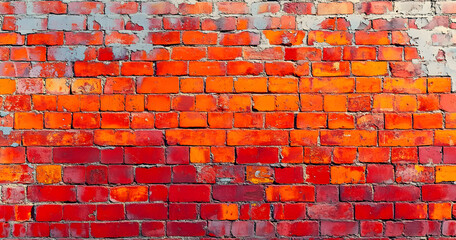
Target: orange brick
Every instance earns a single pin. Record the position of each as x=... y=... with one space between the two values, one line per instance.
x=90 y=103
x=248 y=120
x=196 y=8
x=172 y=68
x=224 y=53
x=348 y=138
x=292 y=155
x=344 y=155
x=370 y=68
x=129 y=194
x=368 y=84
x=287 y=102
x=330 y=69
x=374 y=155
x=410 y=53
x=450 y=120
x=444 y=137
x=207 y=68
x=264 y=102
x=284 y=37
x=279 y=120
x=335 y=103
x=192 y=119
x=259 y=174
x=48 y=174
x=158 y=85
x=405 y=138
x=199 y=38
x=440 y=211
x=134 y=103
x=311 y=120
x=398 y=121
x=57 y=86
x=327 y=85
x=427 y=120
x=200 y=155
x=384 y=102
x=257 y=137
x=8 y=86
x=360 y=53
x=166 y=120
x=142 y=120
x=137 y=69
x=290 y=193
x=16 y=174
x=439 y=85
x=220 y=120
x=405 y=103
x=303 y=138
x=303 y=53
x=340 y=120
x=28 y=120
x=251 y=84
x=86 y=86
x=372 y=38
x=348 y=174
x=281 y=69
x=334 y=8
x=86 y=120
x=359 y=103
x=240 y=38
x=404 y=85
x=207 y=103
x=44 y=102
x=57 y=120
x=112 y=102
x=244 y=68
x=223 y=154
x=311 y=102
x=390 y=53
x=183 y=53
x=164 y=38
x=196 y=137
x=115 y=120
x=219 y=84
x=283 y=85
x=192 y=85
x=332 y=38
x=119 y=85
x=445 y=173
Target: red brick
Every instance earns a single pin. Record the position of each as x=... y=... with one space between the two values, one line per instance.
x=92 y=194
x=186 y=228
x=189 y=193
x=114 y=229
x=302 y=228
x=251 y=155
x=411 y=211
x=110 y=212
x=51 y=193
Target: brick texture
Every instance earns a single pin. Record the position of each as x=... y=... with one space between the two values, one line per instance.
x=227 y=119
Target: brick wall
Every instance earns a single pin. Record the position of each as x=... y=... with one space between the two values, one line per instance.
x=247 y=119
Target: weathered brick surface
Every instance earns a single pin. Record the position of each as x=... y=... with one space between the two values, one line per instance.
x=227 y=119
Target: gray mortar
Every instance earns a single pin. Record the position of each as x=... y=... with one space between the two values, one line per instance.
x=29 y=25
x=6 y=130
x=68 y=53
x=66 y=22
